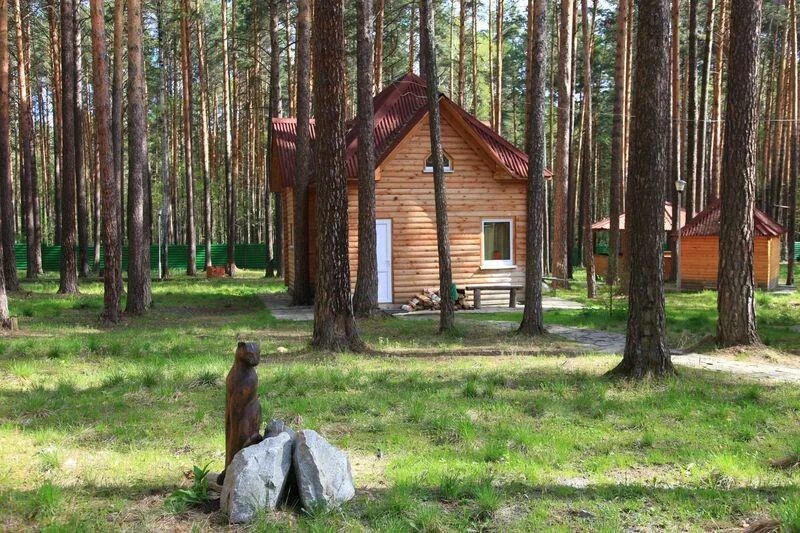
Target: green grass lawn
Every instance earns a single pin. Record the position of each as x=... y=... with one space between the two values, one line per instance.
x=478 y=430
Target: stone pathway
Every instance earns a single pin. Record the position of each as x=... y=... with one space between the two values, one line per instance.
x=612 y=342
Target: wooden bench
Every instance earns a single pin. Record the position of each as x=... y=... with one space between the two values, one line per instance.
x=512 y=289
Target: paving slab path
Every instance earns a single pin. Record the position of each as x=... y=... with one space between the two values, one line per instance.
x=612 y=342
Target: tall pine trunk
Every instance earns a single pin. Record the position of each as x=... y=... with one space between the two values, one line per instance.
x=427 y=51
x=230 y=184
x=166 y=205
x=68 y=283
x=561 y=168
x=334 y=325
x=365 y=299
x=646 y=352
x=117 y=94
x=532 y=318
x=736 y=287
x=617 y=142
x=80 y=172
x=587 y=163
x=380 y=6
x=795 y=152
x=186 y=79
x=302 y=293
x=691 y=112
x=112 y=275
x=276 y=111
x=675 y=135
x=205 y=143
x=139 y=288
x=5 y=152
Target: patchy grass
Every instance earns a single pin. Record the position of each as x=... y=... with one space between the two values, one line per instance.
x=480 y=429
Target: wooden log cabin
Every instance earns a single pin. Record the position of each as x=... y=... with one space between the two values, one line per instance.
x=486 y=180
x=700 y=250
x=601 y=253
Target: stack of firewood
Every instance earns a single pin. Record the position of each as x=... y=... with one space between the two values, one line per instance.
x=430 y=300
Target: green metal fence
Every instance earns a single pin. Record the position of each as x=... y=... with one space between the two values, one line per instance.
x=250 y=256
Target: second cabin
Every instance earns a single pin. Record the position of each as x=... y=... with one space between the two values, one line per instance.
x=486 y=180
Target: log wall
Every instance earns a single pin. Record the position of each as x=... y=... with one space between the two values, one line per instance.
x=476 y=190
x=700 y=262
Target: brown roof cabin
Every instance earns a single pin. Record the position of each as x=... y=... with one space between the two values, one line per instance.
x=700 y=250
x=486 y=196
x=604 y=225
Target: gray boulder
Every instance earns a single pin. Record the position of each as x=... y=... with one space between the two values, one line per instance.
x=256 y=478
x=276 y=427
x=323 y=472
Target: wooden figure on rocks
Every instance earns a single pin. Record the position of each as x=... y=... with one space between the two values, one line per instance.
x=242 y=408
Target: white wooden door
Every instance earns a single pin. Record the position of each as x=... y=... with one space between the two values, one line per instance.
x=383 y=228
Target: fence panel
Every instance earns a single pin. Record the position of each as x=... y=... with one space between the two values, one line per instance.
x=249 y=256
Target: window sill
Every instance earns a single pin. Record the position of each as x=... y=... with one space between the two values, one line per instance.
x=498 y=267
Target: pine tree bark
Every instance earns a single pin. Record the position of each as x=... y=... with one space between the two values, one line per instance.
x=646 y=353
x=55 y=60
x=188 y=152
x=675 y=135
x=795 y=151
x=112 y=275
x=736 y=287
x=80 y=175
x=230 y=185
x=532 y=317
x=462 y=52
x=5 y=166
x=334 y=325
x=498 y=48
x=302 y=293
x=68 y=283
x=117 y=94
x=139 y=288
x=276 y=111
x=474 y=107
x=587 y=165
x=380 y=9
x=28 y=178
x=447 y=314
x=617 y=142
x=715 y=161
x=691 y=112
x=205 y=143
x=365 y=299
x=561 y=168
x=166 y=204
x=703 y=179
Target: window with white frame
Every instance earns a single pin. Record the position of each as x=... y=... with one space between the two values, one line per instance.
x=448 y=163
x=498 y=243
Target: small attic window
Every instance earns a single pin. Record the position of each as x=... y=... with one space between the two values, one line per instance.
x=448 y=163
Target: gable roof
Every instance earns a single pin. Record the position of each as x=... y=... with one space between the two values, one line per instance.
x=707 y=223
x=398 y=109
x=605 y=224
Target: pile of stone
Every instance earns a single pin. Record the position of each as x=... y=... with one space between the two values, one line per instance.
x=285 y=467
x=430 y=300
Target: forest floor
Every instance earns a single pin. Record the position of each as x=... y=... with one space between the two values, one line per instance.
x=480 y=429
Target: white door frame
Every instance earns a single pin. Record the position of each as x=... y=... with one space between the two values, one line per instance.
x=388 y=223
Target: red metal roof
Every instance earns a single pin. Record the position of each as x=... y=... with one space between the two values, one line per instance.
x=398 y=108
x=706 y=223
x=605 y=224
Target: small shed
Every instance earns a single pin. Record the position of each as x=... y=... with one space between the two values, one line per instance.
x=601 y=251
x=700 y=249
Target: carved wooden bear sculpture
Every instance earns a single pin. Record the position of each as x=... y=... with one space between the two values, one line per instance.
x=242 y=408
